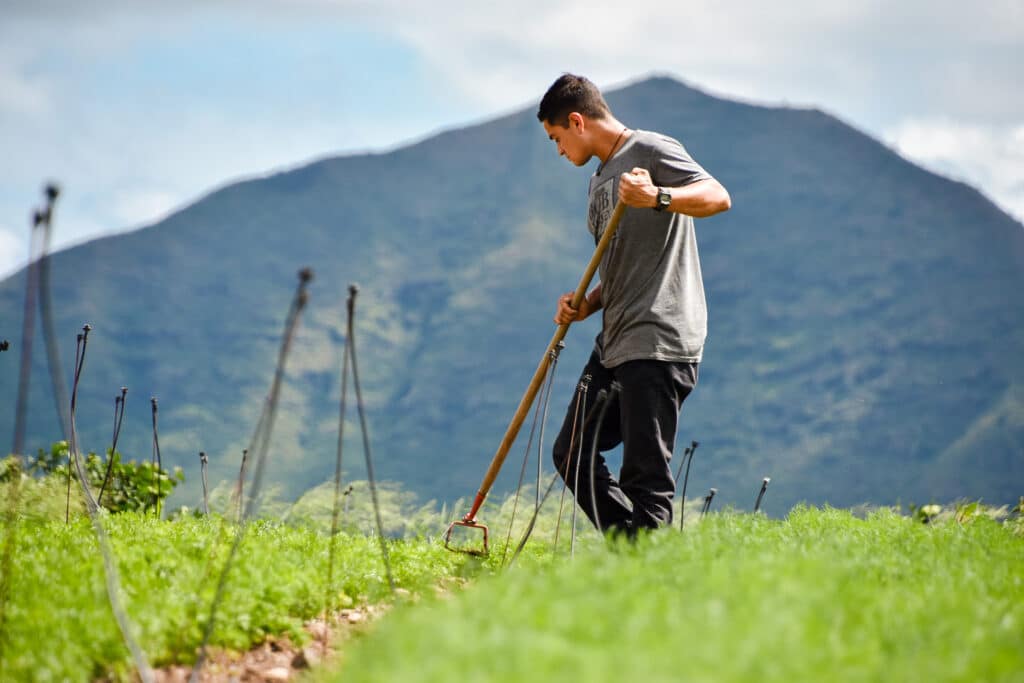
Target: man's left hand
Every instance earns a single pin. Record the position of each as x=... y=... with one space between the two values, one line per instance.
x=637 y=189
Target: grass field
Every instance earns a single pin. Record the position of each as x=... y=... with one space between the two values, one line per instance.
x=820 y=596
x=60 y=626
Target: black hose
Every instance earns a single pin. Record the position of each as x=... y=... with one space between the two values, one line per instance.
x=353 y=289
x=604 y=398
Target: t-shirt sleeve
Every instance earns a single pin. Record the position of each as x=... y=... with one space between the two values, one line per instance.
x=672 y=166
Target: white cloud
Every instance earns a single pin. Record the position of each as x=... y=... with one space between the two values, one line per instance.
x=989 y=157
x=909 y=73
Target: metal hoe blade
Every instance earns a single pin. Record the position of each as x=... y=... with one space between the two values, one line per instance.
x=470 y=550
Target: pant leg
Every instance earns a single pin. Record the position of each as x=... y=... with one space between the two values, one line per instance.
x=652 y=397
x=572 y=461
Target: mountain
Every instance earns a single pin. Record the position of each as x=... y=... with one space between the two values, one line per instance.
x=866 y=330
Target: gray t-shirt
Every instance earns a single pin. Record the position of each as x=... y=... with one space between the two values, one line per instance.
x=651 y=286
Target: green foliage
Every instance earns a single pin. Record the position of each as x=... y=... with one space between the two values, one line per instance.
x=821 y=595
x=169 y=572
x=131 y=485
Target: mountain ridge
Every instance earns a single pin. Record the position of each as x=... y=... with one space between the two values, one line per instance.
x=835 y=286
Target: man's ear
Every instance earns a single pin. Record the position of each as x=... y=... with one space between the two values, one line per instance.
x=577 y=123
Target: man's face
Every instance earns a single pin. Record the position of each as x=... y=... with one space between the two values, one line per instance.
x=570 y=141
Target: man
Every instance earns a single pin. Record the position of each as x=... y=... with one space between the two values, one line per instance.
x=652 y=297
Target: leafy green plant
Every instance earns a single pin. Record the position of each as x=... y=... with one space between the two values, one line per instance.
x=278 y=581
x=132 y=485
x=821 y=595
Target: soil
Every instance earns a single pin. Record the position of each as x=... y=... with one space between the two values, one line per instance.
x=277 y=659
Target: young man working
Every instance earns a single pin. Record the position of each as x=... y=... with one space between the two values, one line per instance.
x=652 y=295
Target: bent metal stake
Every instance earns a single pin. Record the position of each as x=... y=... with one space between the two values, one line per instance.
x=470 y=520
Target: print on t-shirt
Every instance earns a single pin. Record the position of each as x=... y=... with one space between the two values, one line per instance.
x=600 y=207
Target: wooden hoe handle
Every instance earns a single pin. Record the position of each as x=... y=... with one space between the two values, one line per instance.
x=542 y=367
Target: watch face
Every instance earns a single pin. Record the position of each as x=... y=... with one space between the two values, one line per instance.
x=664 y=198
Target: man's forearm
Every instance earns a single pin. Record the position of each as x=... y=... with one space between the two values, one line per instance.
x=700 y=199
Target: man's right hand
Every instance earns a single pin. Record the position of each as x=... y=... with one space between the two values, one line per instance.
x=567 y=314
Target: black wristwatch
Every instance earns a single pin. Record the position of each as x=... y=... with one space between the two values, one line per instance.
x=663 y=200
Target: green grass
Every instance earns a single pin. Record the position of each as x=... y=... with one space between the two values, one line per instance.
x=59 y=622
x=819 y=596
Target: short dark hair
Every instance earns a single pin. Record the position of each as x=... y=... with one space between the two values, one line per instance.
x=568 y=94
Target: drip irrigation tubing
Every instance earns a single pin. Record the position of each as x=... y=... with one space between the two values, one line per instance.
x=110 y=572
x=353 y=290
x=258 y=446
x=686 y=479
x=119 y=402
x=707 y=501
x=240 y=491
x=20 y=416
x=605 y=398
x=60 y=391
x=579 y=460
x=533 y=520
x=568 y=464
x=27 y=332
x=82 y=339
x=203 y=461
x=552 y=365
x=760 y=496
x=336 y=507
x=157 y=463
x=548 y=379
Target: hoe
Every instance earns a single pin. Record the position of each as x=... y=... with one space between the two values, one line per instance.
x=470 y=521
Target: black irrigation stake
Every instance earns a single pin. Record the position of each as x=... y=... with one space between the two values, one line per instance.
x=203 y=460
x=682 y=462
x=20 y=416
x=27 y=331
x=575 y=443
x=111 y=574
x=241 y=482
x=119 y=402
x=344 y=510
x=554 y=353
x=258 y=446
x=60 y=392
x=349 y=307
x=353 y=290
x=707 y=501
x=686 y=479
x=533 y=519
x=551 y=484
x=579 y=462
x=548 y=379
x=156 y=461
x=605 y=398
x=522 y=477
x=764 y=487
x=82 y=341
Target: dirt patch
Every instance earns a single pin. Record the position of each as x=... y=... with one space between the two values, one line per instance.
x=277 y=659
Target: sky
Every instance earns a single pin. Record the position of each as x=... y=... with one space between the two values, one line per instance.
x=138 y=108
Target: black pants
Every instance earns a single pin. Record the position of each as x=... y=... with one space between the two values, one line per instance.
x=643 y=418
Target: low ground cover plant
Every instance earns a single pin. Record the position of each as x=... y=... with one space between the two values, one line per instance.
x=821 y=595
